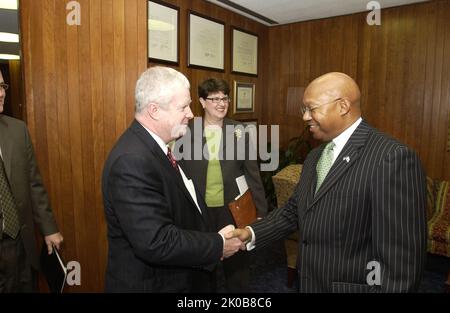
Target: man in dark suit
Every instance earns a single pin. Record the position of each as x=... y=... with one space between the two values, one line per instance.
x=359 y=205
x=158 y=229
x=23 y=202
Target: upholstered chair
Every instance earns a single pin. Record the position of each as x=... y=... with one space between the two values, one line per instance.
x=438 y=214
x=285 y=182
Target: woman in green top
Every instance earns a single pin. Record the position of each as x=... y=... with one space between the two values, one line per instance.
x=225 y=156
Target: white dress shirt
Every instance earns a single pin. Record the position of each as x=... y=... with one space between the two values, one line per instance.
x=187 y=182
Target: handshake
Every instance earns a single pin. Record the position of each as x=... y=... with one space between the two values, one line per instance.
x=235 y=240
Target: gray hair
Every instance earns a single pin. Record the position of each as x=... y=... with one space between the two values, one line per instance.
x=157 y=85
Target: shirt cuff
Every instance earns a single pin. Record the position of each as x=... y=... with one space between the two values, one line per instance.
x=223 y=238
x=251 y=245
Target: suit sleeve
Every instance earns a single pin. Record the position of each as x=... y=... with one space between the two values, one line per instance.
x=279 y=223
x=399 y=221
x=140 y=200
x=42 y=212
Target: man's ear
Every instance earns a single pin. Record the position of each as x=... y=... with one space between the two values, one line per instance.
x=153 y=111
x=344 y=105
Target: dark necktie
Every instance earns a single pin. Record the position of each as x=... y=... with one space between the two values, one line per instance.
x=172 y=159
x=8 y=205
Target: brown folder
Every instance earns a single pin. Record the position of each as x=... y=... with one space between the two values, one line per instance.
x=243 y=209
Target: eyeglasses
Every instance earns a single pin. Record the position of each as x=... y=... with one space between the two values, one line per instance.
x=305 y=109
x=4 y=86
x=217 y=100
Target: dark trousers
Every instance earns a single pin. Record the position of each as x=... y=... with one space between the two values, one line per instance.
x=16 y=275
x=236 y=269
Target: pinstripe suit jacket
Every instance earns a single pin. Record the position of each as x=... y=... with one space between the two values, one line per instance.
x=371 y=208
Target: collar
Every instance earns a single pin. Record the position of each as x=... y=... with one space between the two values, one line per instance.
x=342 y=139
x=158 y=140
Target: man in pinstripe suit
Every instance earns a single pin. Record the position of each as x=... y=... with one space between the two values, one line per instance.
x=363 y=229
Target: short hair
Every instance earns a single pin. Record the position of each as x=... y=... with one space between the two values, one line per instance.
x=211 y=85
x=157 y=84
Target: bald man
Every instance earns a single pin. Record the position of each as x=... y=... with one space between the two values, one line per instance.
x=359 y=205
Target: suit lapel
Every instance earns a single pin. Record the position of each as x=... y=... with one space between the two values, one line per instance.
x=163 y=160
x=201 y=166
x=6 y=146
x=308 y=182
x=226 y=133
x=344 y=161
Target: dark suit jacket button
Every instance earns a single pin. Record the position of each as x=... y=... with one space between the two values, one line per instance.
x=305 y=243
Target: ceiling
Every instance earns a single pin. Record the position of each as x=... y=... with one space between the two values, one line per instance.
x=277 y=12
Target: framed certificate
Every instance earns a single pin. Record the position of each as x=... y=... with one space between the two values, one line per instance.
x=244 y=52
x=163 y=33
x=206 y=42
x=244 y=97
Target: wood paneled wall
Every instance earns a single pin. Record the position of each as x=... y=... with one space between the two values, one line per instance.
x=196 y=76
x=79 y=87
x=402 y=67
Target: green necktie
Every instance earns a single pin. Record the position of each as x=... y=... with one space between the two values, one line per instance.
x=324 y=164
x=8 y=205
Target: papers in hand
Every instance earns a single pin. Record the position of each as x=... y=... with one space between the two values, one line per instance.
x=54 y=269
x=242 y=185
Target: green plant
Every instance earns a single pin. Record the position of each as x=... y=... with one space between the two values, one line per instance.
x=295 y=153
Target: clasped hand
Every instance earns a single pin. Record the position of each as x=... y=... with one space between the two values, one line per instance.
x=235 y=240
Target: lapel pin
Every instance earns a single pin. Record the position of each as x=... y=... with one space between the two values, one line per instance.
x=346 y=159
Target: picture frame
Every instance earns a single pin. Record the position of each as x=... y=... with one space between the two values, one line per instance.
x=244 y=52
x=206 y=42
x=163 y=32
x=243 y=97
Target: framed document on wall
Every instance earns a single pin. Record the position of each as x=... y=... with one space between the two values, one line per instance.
x=244 y=52
x=163 y=33
x=244 y=97
x=206 y=42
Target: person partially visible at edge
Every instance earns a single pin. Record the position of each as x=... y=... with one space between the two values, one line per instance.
x=23 y=203
x=217 y=171
x=360 y=203
x=159 y=232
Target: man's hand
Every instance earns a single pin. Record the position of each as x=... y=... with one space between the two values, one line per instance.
x=53 y=240
x=231 y=245
x=243 y=234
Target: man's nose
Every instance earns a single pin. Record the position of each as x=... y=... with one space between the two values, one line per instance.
x=306 y=116
x=189 y=114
